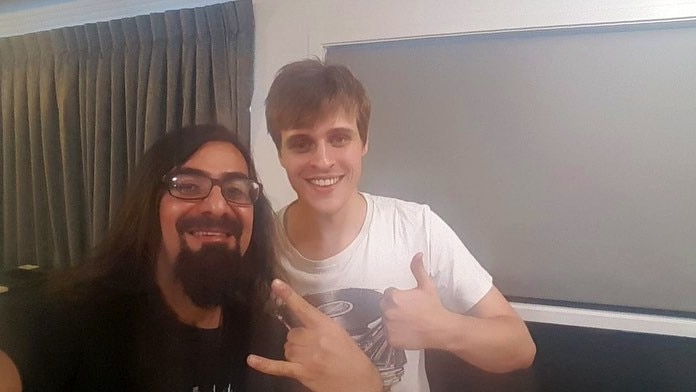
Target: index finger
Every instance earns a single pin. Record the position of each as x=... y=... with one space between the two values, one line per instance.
x=302 y=310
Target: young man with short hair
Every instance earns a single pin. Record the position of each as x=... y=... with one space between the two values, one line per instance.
x=435 y=294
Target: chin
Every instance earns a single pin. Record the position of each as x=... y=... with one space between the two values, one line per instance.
x=215 y=274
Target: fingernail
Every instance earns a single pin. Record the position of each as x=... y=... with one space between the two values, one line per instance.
x=277 y=283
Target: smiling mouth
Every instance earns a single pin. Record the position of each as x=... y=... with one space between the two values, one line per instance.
x=210 y=235
x=206 y=236
x=208 y=229
x=324 y=181
x=202 y=233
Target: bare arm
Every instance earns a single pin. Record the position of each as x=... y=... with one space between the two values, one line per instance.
x=9 y=376
x=490 y=336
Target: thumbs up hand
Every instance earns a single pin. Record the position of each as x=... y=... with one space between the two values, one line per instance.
x=411 y=316
x=319 y=353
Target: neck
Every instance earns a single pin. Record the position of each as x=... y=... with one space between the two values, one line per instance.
x=186 y=311
x=318 y=236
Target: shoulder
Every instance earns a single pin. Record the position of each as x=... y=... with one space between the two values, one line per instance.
x=385 y=203
x=399 y=213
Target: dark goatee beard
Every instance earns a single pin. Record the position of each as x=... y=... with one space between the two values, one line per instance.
x=214 y=275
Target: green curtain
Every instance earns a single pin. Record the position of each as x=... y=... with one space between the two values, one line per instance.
x=80 y=105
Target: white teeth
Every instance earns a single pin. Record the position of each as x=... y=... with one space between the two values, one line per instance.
x=324 y=181
x=208 y=234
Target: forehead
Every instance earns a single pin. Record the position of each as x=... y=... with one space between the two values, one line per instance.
x=217 y=158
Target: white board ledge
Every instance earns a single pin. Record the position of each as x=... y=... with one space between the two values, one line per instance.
x=604 y=319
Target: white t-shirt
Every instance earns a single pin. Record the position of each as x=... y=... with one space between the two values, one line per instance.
x=380 y=256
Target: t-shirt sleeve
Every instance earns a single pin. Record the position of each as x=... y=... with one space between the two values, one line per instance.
x=460 y=279
x=40 y=340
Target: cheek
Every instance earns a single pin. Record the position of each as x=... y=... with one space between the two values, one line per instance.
x=292 y=163
x=284 y=159
x=293 y=169
x=358 y=166
x=357 y=161
x=169 y=214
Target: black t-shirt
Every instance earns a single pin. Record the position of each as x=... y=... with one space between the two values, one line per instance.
x=127 y=341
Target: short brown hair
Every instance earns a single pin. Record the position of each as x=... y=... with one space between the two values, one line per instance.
x=306 y=90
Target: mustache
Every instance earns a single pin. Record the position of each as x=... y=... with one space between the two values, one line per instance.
x=209 y=223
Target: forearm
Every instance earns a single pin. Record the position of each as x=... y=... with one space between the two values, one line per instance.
x=491 y=336
x=497 y=344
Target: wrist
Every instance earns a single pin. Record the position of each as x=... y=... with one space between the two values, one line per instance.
x=446 y=332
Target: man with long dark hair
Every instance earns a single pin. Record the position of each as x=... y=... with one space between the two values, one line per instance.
x=173 y=298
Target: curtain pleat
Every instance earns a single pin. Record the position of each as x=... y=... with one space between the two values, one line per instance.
x=188 y=60
x=69 y=193
x=80 y=105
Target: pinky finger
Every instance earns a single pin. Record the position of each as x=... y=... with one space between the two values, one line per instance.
x=274 y=367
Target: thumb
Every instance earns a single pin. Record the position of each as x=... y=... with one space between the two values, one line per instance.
x=422 y=278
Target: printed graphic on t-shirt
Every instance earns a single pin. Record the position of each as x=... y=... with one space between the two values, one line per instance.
x=358 y=311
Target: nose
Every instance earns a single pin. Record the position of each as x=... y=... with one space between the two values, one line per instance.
x=215 y=203
x=323 y=156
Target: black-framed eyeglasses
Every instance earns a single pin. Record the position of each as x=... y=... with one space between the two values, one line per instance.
x=194 y=185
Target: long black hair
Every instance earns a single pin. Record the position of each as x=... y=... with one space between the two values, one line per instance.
x=126 y=256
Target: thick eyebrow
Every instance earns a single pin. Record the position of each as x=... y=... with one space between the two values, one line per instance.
x=226 y=175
